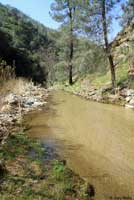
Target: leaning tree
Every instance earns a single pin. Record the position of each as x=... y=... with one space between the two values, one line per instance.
x=97 y=18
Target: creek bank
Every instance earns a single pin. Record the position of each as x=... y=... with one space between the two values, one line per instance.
x=32 y=174
x=28 y=168
x=15 y=105
x=122 y=96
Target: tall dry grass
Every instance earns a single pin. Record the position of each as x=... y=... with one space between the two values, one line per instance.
x=16 y=85
x=7 y=72
x=9 y=82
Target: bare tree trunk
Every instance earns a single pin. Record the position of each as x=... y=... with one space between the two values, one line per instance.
x=71 y=45
x=107 y=46
x=70 y=64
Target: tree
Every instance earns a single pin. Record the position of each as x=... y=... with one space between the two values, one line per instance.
x=99 y=17
x=65 y=11
x=128 y=13
x=104 y=5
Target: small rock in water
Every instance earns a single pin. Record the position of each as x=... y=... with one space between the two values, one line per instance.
x=90 y=191
x=64 y=162
x=2 y=167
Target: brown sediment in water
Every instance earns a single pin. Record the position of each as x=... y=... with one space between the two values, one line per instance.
x=97 y=141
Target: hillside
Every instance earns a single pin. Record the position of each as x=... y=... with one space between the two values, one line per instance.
x=96 y=85
x=123 y=47
x=122 y=50
x=26 y=43
x=41 y=53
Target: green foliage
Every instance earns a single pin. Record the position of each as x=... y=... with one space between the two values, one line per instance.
x=59 y=170
x=89 y=57
x=67 y=13
x=43 y=54
x=25 y=43
x=61 y=10
x=128 y=13
x=92 y=16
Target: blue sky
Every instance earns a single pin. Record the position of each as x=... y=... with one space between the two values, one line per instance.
x=39 y=10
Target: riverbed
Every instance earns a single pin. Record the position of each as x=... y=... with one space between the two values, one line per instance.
x=97 y=140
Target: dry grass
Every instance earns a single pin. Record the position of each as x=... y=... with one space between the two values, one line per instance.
x=9 y=82
x=16 y=85
x=7 y=72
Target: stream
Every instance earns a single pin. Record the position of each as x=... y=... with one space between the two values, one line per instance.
x=97 y=140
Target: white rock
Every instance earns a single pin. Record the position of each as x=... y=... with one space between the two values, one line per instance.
x=130 y=92
x=129 y=106
x=29 y=101
x=131 y=101
x=36 y=104
x=6 y=108
x=12 y=99
x=128 y=98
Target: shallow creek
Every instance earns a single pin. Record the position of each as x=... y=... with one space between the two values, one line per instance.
x=97 y=140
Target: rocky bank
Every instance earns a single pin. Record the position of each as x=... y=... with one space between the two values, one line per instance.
x=123 y=97
x=15 y=105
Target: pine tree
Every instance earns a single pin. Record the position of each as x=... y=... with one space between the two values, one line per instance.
x=65 y=11
x=97 y=21
x=105 y=6
x=128 y=13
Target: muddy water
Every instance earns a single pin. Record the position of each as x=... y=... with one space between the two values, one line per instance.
x=97 y=140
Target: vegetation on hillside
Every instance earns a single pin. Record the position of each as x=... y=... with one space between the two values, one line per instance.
x=80 y=47
x=26 y=44
x=92 y=20
x=42 y=54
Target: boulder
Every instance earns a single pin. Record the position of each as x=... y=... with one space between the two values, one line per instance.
x=130 y=92
x=37 y=104
x=12 y=99
x=29 y=102
x=123 y=92
x=90 y=190
x=92 y=93
x=131 y=102
x=128 y=98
